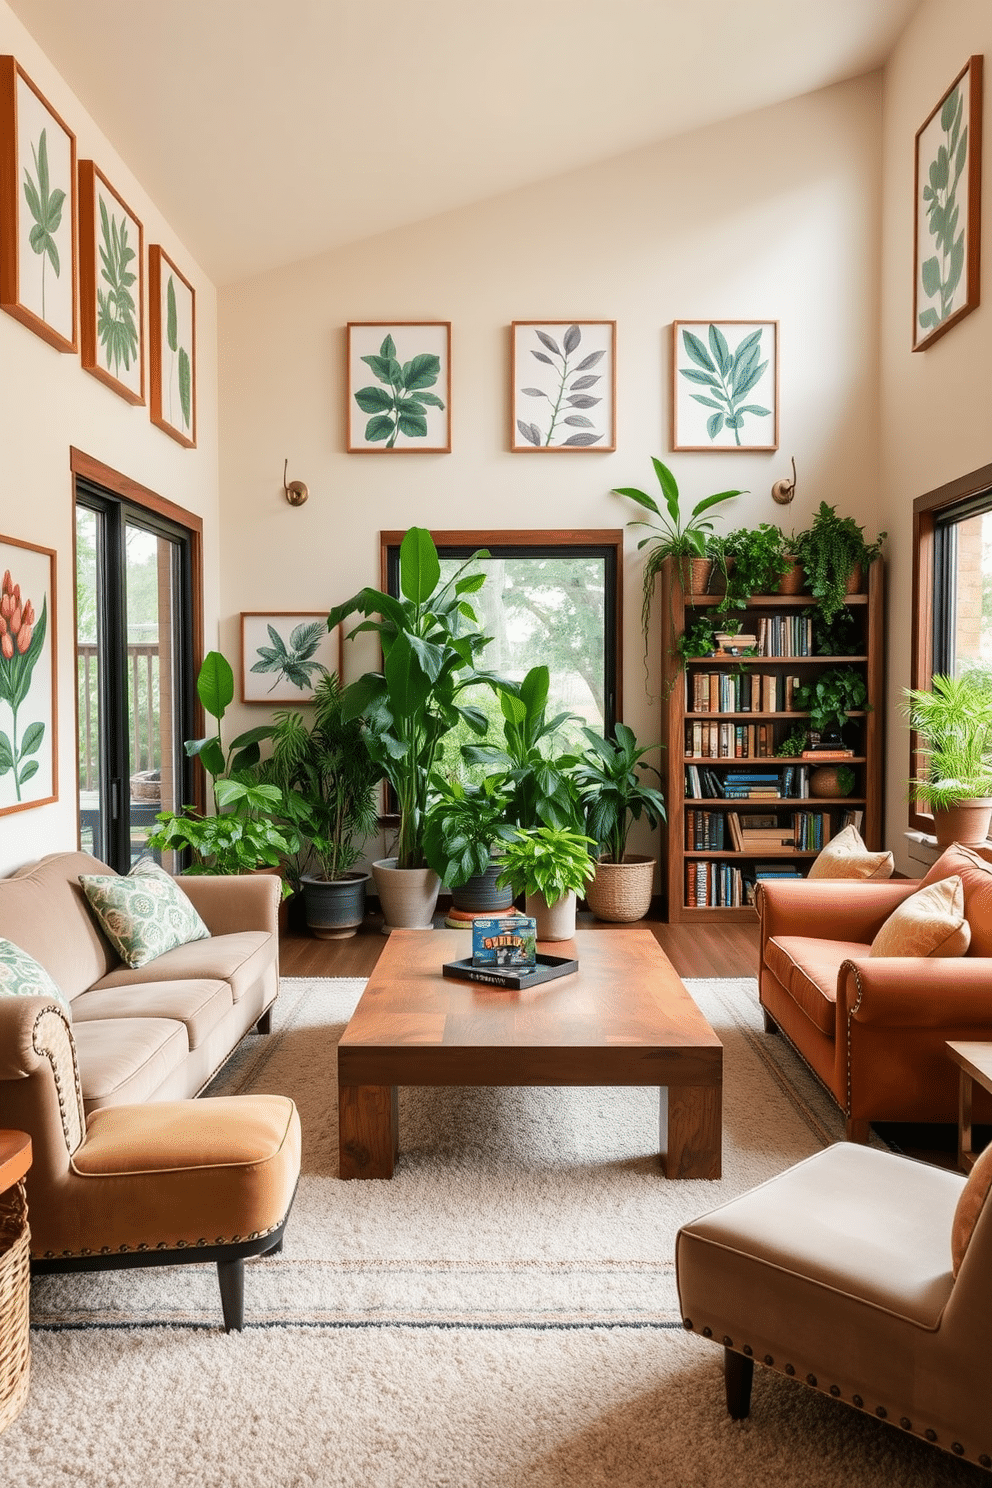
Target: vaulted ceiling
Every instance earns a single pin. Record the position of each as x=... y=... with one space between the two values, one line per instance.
x=268 y=131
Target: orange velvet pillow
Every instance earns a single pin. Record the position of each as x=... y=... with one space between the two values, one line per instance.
x=975 y=873
x=970 y=1205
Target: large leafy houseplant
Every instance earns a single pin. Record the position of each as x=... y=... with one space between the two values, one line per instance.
x=464 y=824
x=430 y=641
x=613 y=793
x=953 y=723
x=549 y=861
x=672 y=535
x=244 y=832
x=537 y=775
x=328 y=781
x=830 y=550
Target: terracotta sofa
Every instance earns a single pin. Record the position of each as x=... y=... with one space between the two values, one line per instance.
x=155 y=1034
x=873 y=1029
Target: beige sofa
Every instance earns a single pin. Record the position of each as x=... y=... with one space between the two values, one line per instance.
x=155 y=1034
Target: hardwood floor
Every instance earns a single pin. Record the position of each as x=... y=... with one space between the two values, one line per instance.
x=694 y=950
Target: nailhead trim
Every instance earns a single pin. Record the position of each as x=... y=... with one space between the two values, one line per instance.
x=881 y=1412
x=707 y=1332
x=835 y=1389
x=930 y=1434
x=985 y=1460
x=857 y=1401
x=957 y=1449
x=727 y=1342
x=687 y=1324
x=748 y=1350
x=769 y=1359
x=811 y=1379
x=790 y=1368
x=905 y=1423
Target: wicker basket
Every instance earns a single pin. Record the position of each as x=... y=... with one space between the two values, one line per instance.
x=15 y=1282
x=621 y=892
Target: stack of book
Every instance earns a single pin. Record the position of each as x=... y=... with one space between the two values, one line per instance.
x=759 y=834
x=752 y=785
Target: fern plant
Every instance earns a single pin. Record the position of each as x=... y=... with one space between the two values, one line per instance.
x=829 y=551
x=954 y=724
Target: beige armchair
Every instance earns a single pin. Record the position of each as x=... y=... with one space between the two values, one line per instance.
x=867 y=1276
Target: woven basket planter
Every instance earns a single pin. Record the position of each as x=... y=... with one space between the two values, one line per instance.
x=793 y=579
x=15 y=1282
x=621 y=892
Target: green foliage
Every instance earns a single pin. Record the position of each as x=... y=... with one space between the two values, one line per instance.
x=831 y=696
x=327 y=781
x=463 y=825
x=568 y=399
x=399 y=405
x=292 y=664
x=941 y=272
x=759 y=555
x=45 y=207
x=698 y=639
x=116 y=324
x=840 y=635
x=171 y=316
x=672 y=536
x=242 y=833
x=846 y=779
x=430 y=642
x=953 y=722
x=728 y=376
x=537 y=775
x=794 y=742
x=613 y=794
x=185 y=375
x=830 y=550
x=550 y=861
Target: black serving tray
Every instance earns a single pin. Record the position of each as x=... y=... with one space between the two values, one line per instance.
x=517 y=977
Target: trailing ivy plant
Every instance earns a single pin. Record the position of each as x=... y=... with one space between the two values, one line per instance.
x=728 y=376
x=116 y=325
x=399 y=405
x=831 y=697
x=829 y=551
x=45 y=207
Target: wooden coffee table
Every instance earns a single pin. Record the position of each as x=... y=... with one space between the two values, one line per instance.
x=624 y=1018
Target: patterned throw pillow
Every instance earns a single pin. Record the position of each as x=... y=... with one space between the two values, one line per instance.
x=845 y=856
x=143 y=915
x=21 y=975
x=930 y=922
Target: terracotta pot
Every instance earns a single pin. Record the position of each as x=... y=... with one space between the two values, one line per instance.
x=554 y=921
x=408 y=895
x=621 y=892
x=793 y=579
x=855 y=580
x=334 y=907
x=966 y=822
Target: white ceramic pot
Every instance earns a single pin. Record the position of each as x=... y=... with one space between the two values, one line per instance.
x=408 y=896
x=554 y=921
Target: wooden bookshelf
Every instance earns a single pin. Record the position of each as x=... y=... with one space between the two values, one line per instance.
x=863 y=733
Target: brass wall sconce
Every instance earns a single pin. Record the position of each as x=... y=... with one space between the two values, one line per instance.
x=295 y=492
x=784 y=490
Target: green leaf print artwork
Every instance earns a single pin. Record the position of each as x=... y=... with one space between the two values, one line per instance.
x=45 y=207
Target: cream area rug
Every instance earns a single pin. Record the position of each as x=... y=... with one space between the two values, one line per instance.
x=503 y=1312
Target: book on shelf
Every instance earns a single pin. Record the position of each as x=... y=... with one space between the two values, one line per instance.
x=824 y=756
x=853 y=817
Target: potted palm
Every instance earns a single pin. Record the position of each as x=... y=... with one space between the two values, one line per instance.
x=248 y=829
x=615 y=796
x=953 y=722
x=430 y=641
x=549 y=866
x=464 y=831
x=672 y=536
x=328 y=779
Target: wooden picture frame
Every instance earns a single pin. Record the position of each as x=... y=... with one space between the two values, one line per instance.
x=37 y=211
x=399 y=387
x=171 y=348
x=111 y=286
x=725 y=385
x=293 y=647
x=563 y=386
x=28 y=691
x=947 y=209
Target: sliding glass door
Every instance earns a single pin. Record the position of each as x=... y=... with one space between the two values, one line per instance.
x=134 y=642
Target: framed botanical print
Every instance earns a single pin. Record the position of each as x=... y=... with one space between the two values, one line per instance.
x=563 y=390
x=725 y=385
x=28 y=734
x=37 y=211
x=284 y=654
x=171 y=348
x=399 y=387
x=947 y=214
x=111 y=286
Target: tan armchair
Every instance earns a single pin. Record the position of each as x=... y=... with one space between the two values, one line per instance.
x=854 y=1273
x=160 y=1183
x=874 y=1029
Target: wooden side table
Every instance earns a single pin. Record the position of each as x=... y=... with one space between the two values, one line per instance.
x=15 y=1158
x=975 y=1064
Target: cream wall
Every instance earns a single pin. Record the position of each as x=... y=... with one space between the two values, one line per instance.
x=48 y=404
x=934 y=412
x=772 y=216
